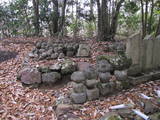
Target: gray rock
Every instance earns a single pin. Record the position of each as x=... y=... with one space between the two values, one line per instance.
x=51 y=77
x=55 y=67
x=90 y=73
x=79 y=98
x=91 y=83
x=38 y=45
x=78 y=77
x=44 y=69
x=149 y=107
x=83 y=51
x=49 y=52
x=76 y=46
x=134 y=70
x=61 y=55
x=105 y=89
x=41 y=50
x=54 y=56
x=30 y=76
x=58 y=50
x=70 y=48
x=121 y=75
x=31 y=55
x=111 y=116
x=68 y=67
x=92 y=94
x=70 y=53
x=43 y=45
x=62 y=109
x=44 y=55
x=119 y=85
x=104 y=77
x=79 y=87
x=104 y=66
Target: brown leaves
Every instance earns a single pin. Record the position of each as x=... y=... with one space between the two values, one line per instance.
x=20 y=103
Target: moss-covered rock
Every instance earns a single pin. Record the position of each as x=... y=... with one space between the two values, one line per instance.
x=111 y=116
x=68 y=67
x=118 y=61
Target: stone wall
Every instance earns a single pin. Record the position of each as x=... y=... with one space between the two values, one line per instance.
x=104 y=79
x=47 y=74
x=50 y=51
x=144 y=52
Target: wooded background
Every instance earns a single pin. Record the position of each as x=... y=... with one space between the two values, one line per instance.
x=101 y=18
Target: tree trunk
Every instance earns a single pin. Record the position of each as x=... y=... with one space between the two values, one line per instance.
x=63 y=18
x=55 y=18
x=151 y=17
x=142 y=19
x=158 y=28
x=36 y=16
x=115 y=19
x=146 y=18
x=99 y=19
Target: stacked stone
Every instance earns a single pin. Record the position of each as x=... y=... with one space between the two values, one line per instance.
x=47 y=74
x=46 y=50
x=122 y=79
x=85 y=85
x=104 y=70
x=91 y=83
x=78 y=94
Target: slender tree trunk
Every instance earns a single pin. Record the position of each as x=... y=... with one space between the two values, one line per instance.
x=115 y=19
x=158 y=28
x=99 y=19
x=55 y=18
x=142 y=19
x=151 y=17
x=104 y=21
x=91 y=10
x=146 y=18
x=63 y=18
x=36 y=16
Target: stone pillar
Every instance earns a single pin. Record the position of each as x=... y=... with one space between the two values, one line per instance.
x=134 y=51
x=156 y=53
x=147 y=53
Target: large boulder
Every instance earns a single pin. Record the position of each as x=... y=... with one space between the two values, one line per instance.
x=51 y=77
x=78 y=77
x=118 y=62
x=83 y=51
x=30 y=76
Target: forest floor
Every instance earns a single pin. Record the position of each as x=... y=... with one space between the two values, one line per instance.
x=23 y=103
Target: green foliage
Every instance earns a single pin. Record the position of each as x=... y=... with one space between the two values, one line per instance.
x=114 y=118
x=90 y=28
x=131 y=7
x=75 y=26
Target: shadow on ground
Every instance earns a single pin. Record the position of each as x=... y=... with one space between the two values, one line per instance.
x=6 y=55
